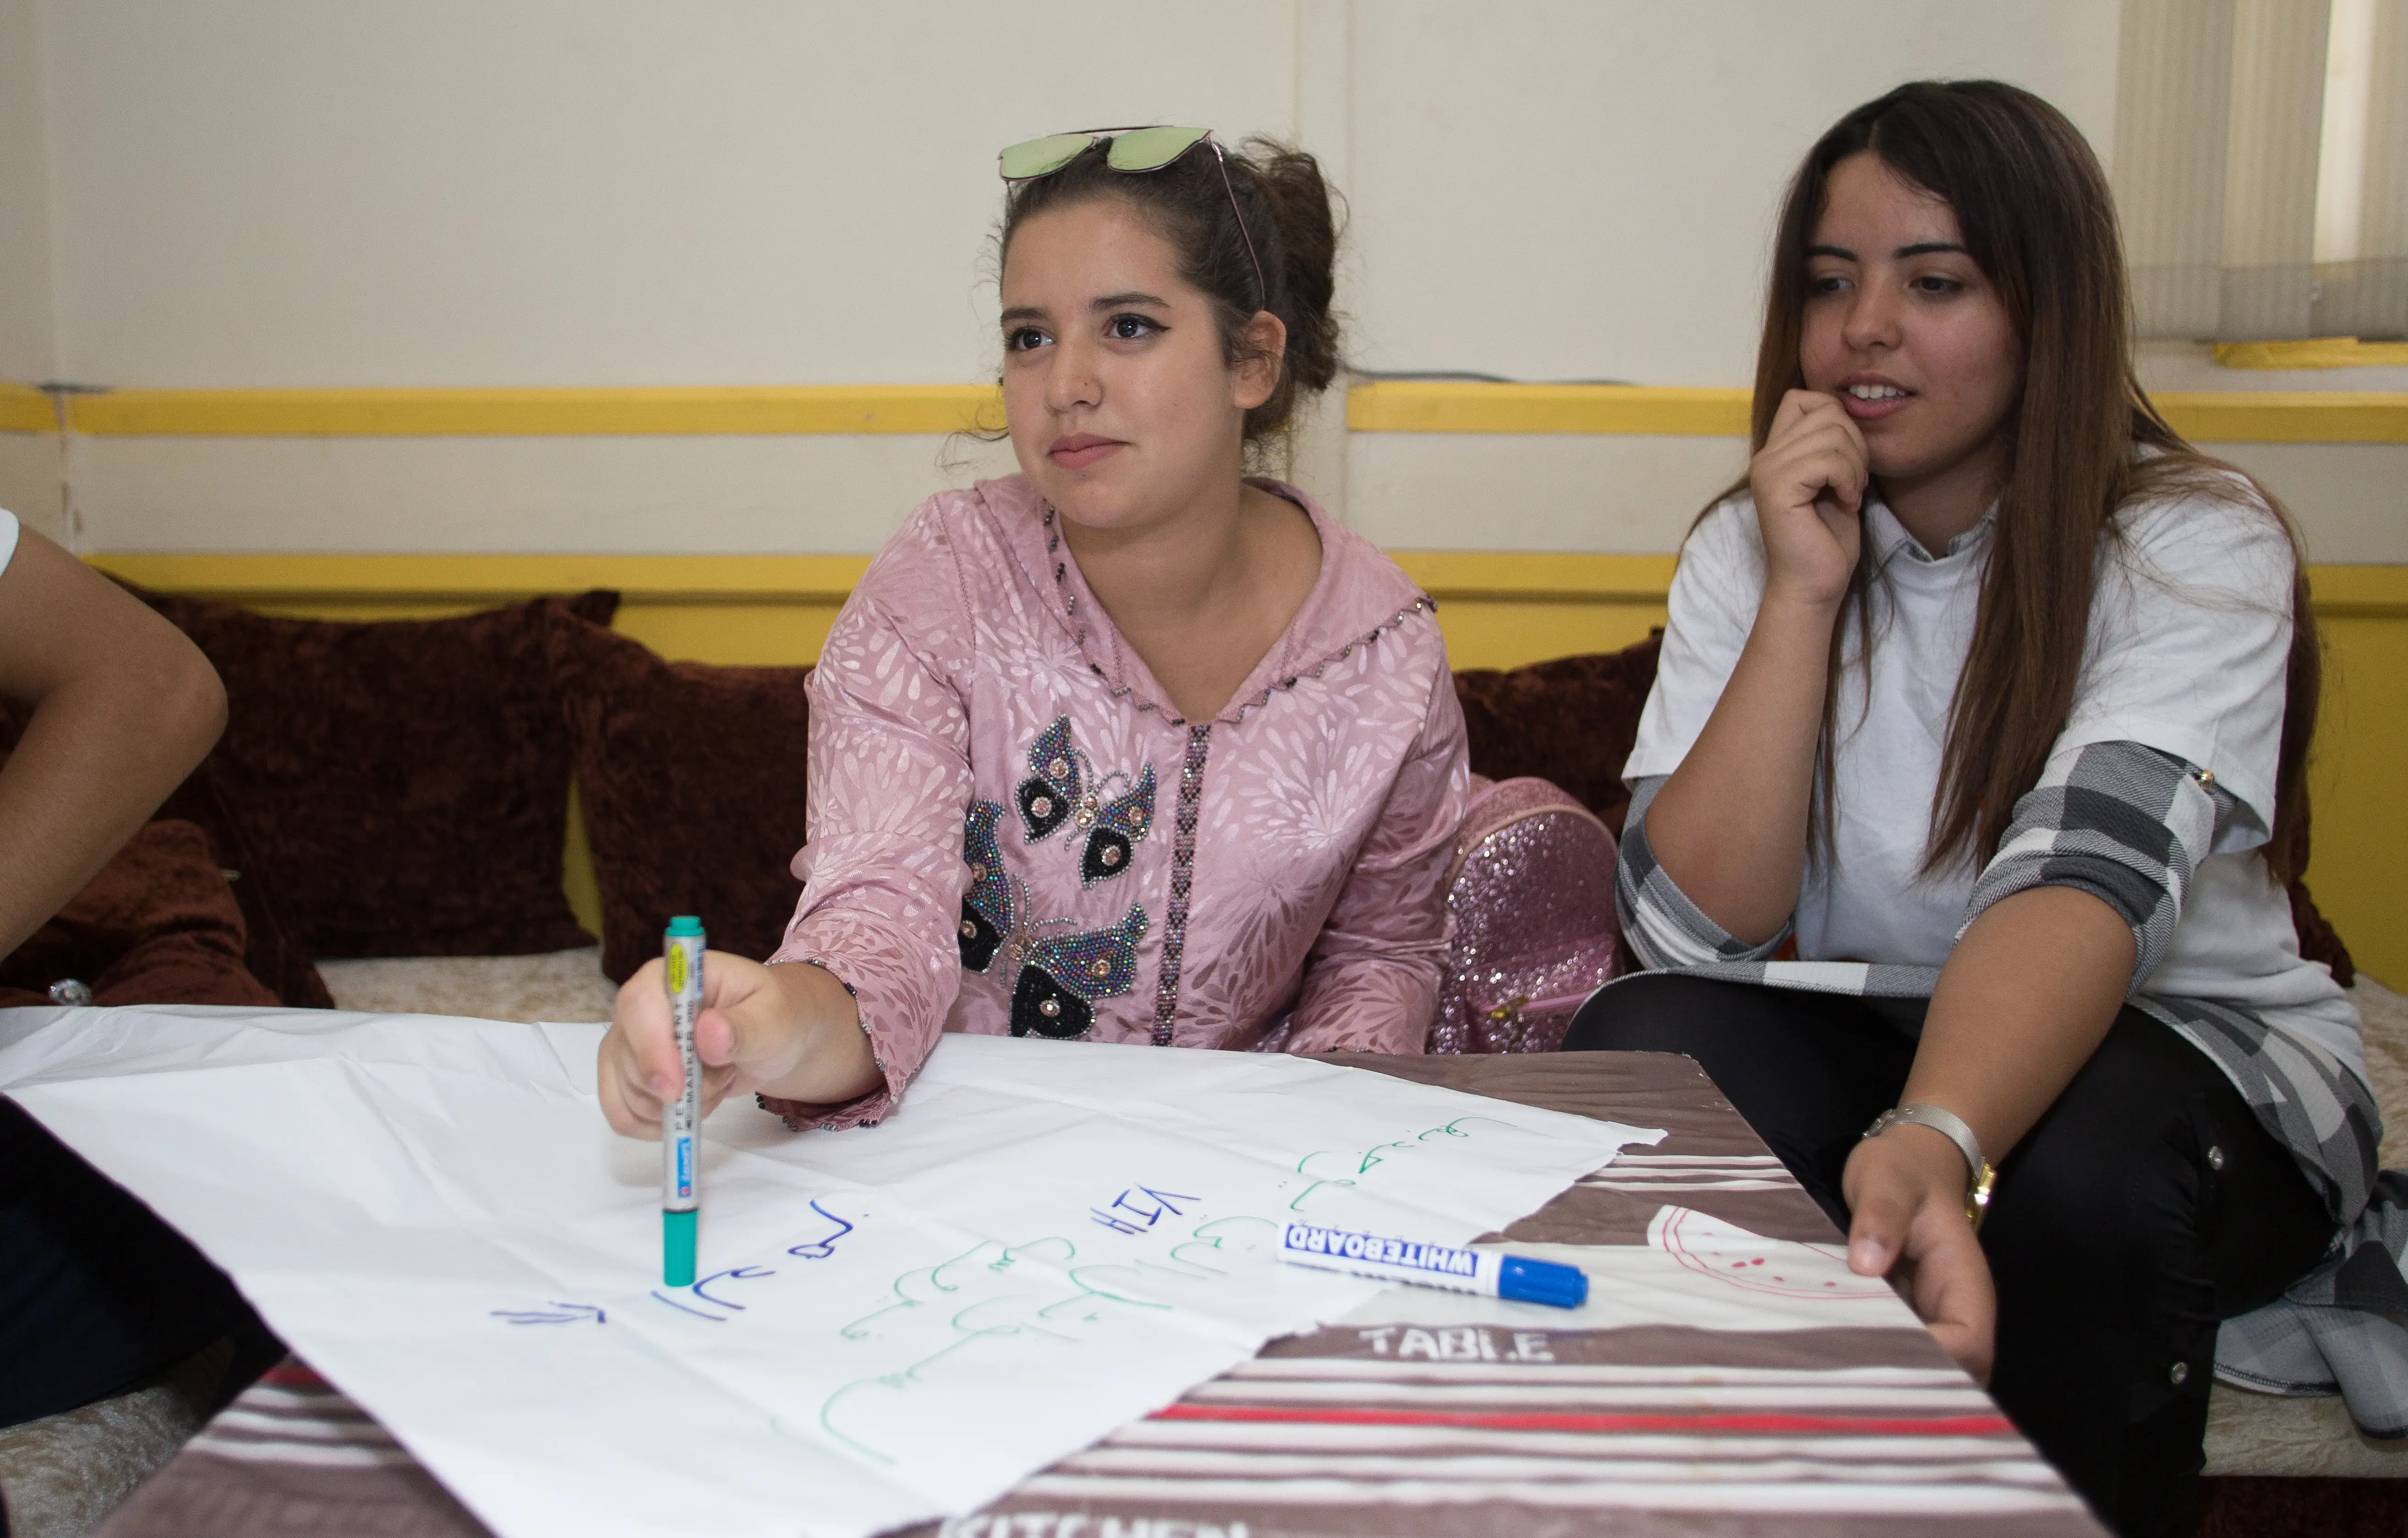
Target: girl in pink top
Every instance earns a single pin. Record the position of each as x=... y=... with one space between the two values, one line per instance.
x=1128 y=747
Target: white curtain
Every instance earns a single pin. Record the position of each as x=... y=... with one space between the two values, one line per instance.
x=2261 y=166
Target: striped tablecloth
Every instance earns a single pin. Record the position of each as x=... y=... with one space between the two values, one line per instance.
x=1702 y=1414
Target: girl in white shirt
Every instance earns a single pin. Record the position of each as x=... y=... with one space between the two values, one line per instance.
x=1992 y=694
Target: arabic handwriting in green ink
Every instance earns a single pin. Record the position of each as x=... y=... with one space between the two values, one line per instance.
x=1448 y=1130
x=971 y=1330
x=931 y=1278
x=1215 y=1239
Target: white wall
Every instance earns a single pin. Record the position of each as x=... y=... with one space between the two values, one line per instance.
x=573 y=192
x=619 y=193
x=29 y=463
x=1575 y=190
x=568 y=191
x=26 y=339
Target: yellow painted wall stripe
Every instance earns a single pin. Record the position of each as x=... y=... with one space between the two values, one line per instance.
x=1413 y=406
x=410 y=581
x=2284 y=417
x=26 y=409
x=2314 y=353
x=763 y=409
x=1387 y=406
x=1430 y=406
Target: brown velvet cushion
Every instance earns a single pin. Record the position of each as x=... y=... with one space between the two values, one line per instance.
x=690 y=779
x=270 y=952
x=1571 y=720
x=401 y=784
x=157 y=926
x=1574 y=720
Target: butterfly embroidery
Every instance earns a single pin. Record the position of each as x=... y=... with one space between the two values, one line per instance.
x=1063 y=788
x=1062 y=976
x=987 y=906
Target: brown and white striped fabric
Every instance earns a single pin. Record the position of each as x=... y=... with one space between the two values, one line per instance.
x=1396 y=1427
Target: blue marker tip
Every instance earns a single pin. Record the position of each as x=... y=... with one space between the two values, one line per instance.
x=1541 y=1282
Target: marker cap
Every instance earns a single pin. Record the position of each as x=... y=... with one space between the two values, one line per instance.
x=678 y=1248
x=1541 y=1282
x=684 y=925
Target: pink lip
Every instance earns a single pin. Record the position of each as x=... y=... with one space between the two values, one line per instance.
x=1078 y=451
x=1871 y=411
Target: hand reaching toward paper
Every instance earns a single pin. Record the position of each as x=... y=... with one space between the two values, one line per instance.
x=789 y=1030
x=1907 y=1190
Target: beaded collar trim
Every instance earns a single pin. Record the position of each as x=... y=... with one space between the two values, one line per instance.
x=1182 y=874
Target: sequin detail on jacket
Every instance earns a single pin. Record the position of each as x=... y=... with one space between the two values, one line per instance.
x=1063 y=788
x=1061 y=975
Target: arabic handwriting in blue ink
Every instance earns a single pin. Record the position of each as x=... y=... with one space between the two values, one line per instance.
x=741 y=1273
x=821 y=1249
x=1141 y=1213
x=558 y=1314
x=714 y=1318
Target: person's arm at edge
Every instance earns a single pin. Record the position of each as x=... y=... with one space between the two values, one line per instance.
x=124 y=707
x=789 y=1030
x=2001 y=1040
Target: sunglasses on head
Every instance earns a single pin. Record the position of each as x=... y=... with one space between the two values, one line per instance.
x=1149 y=148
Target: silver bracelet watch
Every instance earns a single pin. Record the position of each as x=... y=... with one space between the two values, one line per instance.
x=1978 y=1174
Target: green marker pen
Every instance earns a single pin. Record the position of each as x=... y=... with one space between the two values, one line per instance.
x=682 y=1118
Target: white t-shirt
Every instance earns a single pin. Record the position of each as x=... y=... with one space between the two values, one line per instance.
x=2188 y=652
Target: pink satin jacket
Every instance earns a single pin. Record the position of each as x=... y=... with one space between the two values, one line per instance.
x=1013 y=829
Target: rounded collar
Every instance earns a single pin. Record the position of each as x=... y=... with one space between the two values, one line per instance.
x=1358 y=595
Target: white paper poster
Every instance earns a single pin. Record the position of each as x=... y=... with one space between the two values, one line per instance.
x=1045 y=1242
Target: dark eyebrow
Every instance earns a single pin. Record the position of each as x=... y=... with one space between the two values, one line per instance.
x=1114 y=301
x=1925 y=248
x=1022 y=312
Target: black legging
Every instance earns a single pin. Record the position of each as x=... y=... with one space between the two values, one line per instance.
x=96 y=1294
x=2146 y=1206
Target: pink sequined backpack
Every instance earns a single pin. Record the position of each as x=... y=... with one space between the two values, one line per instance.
x=1531 y=888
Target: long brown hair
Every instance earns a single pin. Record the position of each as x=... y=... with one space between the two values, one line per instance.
x=2082 y=443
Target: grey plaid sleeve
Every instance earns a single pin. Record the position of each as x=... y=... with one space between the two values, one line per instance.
x=1665 y=927
x=2125 y=824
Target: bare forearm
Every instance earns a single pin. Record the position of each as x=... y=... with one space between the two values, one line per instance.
x=836 y=1063
x=1730 y=826
x=99 y=757
x=2026 y=998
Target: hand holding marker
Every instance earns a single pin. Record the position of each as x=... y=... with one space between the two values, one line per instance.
x=1434 y=1265
x=682 y=1118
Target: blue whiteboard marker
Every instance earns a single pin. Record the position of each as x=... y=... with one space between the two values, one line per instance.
x=1434 y=1265
x=682 y=1118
